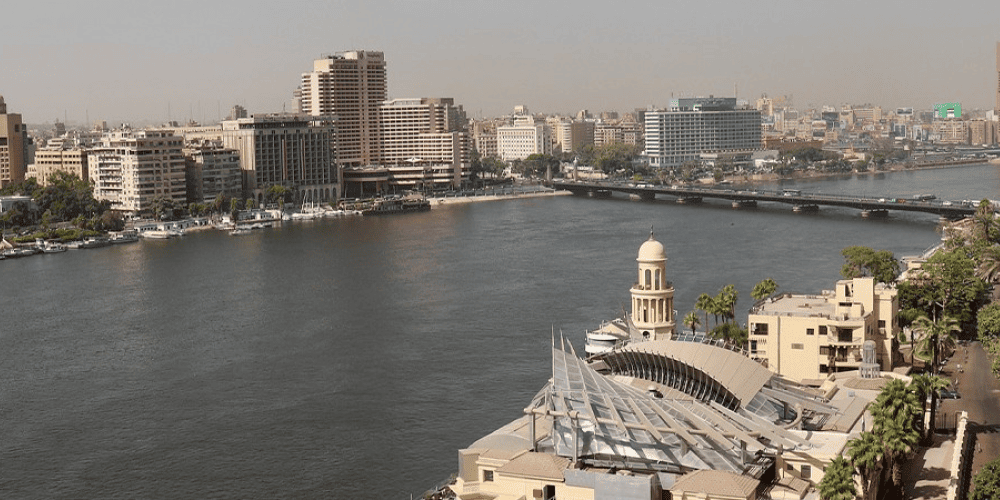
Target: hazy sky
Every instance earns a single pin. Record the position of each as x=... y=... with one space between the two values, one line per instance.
x=140 y=60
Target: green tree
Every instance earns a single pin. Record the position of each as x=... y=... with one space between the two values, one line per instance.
x=234 y=208
x=726 y=302
x=936 y=336
x=986 y=483
x=894 y=415
x=732 y=333
x=838 y=481
x=706 y=304
x=984 y=223
x=764 y=289
x=925 y=385
x=865 y=452
x=691 y=321
x=947 y=283
x=988 y=322
x=250 y=204
x=863 y=261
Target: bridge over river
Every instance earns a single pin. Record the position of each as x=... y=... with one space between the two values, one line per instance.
x=800 y=202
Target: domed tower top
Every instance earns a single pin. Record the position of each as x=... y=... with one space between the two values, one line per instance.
x=651 y=250
x=652 y=294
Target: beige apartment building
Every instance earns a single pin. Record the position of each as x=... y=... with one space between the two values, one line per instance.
x=350 y=86
x=13 y=147
x=131 y=169
x=807 y=337
x=49 y=160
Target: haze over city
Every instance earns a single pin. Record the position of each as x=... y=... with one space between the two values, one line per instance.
x=135 y=61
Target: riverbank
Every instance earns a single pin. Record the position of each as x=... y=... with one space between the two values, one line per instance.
x=451 y=200
x=815 y=175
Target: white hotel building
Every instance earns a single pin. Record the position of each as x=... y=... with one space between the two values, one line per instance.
x=692 y=127
x=523 y=139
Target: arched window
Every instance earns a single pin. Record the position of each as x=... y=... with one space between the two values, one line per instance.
x=649 y=280
x=657 y=280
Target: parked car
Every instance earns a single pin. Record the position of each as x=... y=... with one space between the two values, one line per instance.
x=950 y=394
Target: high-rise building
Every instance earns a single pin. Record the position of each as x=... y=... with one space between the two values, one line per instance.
x=292 y=150
x=691 y=127
x=426 y=135
x=14 y=151
x=131 y=169
x=351 y=87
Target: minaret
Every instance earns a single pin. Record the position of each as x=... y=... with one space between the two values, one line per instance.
x=652 y=294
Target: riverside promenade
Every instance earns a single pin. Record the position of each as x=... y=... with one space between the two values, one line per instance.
x=496 y=195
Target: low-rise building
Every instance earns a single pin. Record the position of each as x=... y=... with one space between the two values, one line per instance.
x=807 y=337
x=212 y=170
x=49 y=160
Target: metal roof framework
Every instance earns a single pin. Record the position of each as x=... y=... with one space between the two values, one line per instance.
x=604 y=418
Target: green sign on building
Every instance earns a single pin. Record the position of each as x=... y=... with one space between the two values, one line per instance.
x=948 y=110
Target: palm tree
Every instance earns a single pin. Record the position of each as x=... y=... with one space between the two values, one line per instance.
x=764 y=289
x=705 y=303
x=924 y=385
x=988 y=268
x=866 y=453
x=894 y=415
x=726 y=302
x=691 y=321
x=838 y=481
x=937 y=334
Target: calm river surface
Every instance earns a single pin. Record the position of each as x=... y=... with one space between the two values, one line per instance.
x=352 y=358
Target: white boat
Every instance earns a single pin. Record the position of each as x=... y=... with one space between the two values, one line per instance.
x=124 y=237
x=156 y=234
x=240 y=231
x=49 y=246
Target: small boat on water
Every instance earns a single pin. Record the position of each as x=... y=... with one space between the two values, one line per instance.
x=397 y=205
x=49 y=246
x=240 y=231
x=156 y=234
x=124 y=237
x=18 y=252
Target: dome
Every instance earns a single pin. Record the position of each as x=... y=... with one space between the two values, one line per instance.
x=652 y=250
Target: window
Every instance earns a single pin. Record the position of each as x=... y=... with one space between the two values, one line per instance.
x=797 y=346
x=487 y=476
x=760 y=329
x=810 y=331
x=822 y=330
x=806 y=471
x=881 y=323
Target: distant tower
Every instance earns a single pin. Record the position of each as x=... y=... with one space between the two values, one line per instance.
x=13 y=147
x=652 y=294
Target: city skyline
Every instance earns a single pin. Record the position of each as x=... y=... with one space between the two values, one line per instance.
x=118 y=61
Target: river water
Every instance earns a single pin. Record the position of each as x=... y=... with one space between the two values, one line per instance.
x=352 y=358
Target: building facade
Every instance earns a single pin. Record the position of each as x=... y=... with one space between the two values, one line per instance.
x=350 y=86
x=691 y=127
x=523 y=138
x=212 y=170
x=807 y=337
x=14 y=152
x=132 y=168
x=291 y=150
x=49 y=160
